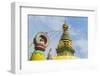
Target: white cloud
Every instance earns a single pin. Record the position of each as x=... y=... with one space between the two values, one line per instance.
x=73 y=31
x=53 y=22
x=83 y=45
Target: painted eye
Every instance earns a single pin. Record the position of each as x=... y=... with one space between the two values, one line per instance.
x=40 y=38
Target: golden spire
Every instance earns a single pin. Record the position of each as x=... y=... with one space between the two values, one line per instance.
x=65 y=27
x=65 y=43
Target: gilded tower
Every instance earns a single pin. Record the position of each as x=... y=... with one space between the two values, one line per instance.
x=65 y=43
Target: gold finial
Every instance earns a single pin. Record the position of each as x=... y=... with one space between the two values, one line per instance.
x=65 y=27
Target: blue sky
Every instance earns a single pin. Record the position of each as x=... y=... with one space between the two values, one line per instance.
x=78 y=30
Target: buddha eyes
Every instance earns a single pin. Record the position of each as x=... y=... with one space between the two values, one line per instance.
x=41 y=39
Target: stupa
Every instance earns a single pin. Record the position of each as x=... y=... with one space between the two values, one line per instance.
x=64 y=49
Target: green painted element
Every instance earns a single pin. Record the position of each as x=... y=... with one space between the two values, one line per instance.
x=67 y=49
x=38 y=52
